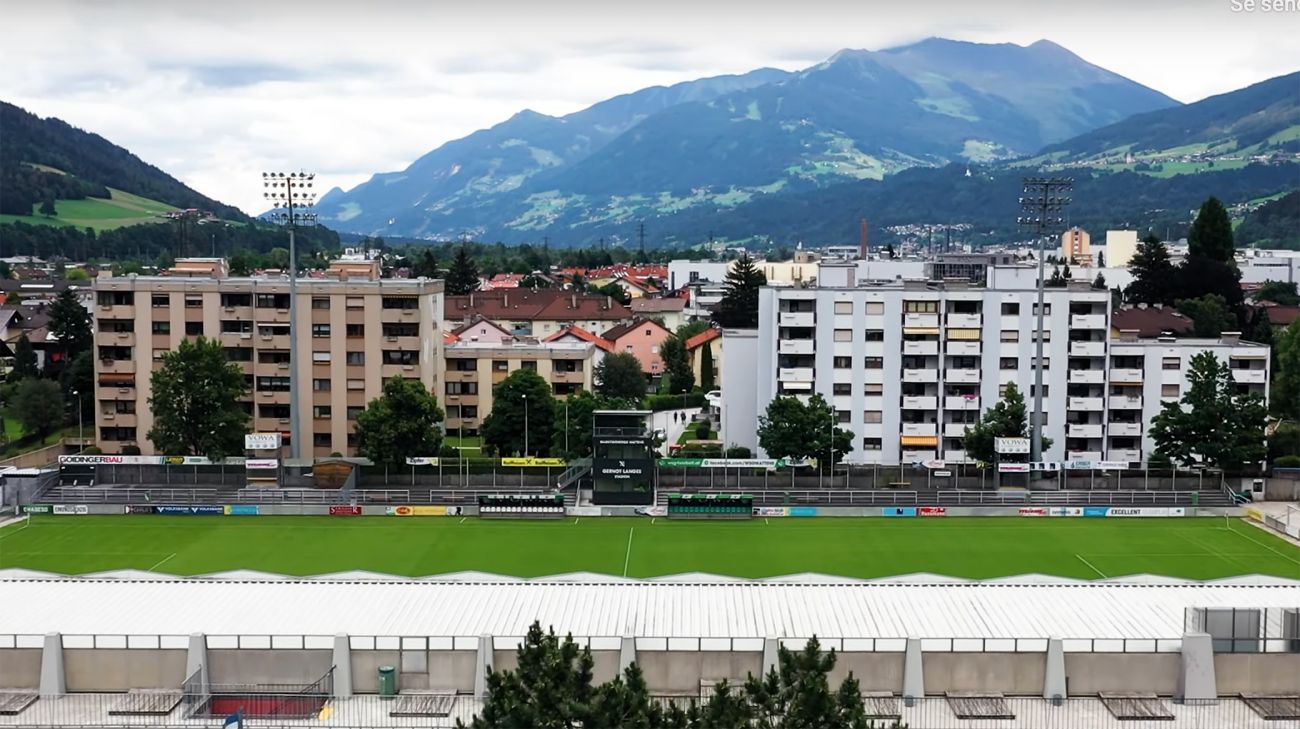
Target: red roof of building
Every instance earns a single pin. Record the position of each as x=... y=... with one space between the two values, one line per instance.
x=582 y=334
x=655 y=306
x=616 y=332
x=1279 y=315
x=533 y=305
x=1150 y=322
x=503 y=281
x=704 y=337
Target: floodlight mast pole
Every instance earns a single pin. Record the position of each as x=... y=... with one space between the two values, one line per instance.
x=289 y=192
x=1040 y=208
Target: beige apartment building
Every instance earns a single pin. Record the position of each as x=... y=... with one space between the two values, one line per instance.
x=355 y=331
x=474 y=368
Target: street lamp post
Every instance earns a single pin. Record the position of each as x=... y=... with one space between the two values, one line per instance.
x=525 y=398
x=81 y=424
x=287 y=192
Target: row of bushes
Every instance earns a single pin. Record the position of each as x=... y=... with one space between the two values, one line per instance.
x=659 y=403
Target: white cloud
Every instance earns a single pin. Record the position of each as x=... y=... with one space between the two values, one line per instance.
x=214 y=93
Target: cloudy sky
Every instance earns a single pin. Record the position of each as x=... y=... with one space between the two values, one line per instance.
x=216 y=92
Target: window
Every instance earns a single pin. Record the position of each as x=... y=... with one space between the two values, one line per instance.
x=654 y=366
x=871 y=416
x=320 y=356
x=871 y=444
x=320 y=302
x=272 y=356
x=462 y=388
x=401 y=329
x=469 y=411
x=356 y=384
x=531 y=364
x=1047 y=389
x=873 y=363
x=235 y=326
x=161 y=301
x=354 y=302
x=921 y=307
x=500 y=365
x=320 y=412
x=844 y=307
x=1047 y=335
x=844 y=335
x=356 y=330
x=843 y=416
x=193 y=328
x=239 y=354
x=273 y=384
x=875 y=335
x=647 y=332
x=1046 y=363
x=400 y=357
x=124 y=407
x=841 y=388
x=875 y=307
x=842 y=363
x=354 y=411
x=1008 y=363
x=401 y=302
x=1010 y=335
x=873 y=388
x=162 y=327
x=1047 y=309
x=1169 y=363
x=1011 y=309
x=193 y=302
x=355 y=358
x=320 y=331
x=321 y=440
x=320 y=385
x=654 y=349
x=1169 y=391
x=233 y=300
x=273 y=301
x=158 y=354
x=463 y=365
x=628 y=349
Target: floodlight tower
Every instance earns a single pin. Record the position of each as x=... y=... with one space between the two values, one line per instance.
x=291 y=197
x=1040 y=207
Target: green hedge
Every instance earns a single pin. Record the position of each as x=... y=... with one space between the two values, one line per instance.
x=659 y=403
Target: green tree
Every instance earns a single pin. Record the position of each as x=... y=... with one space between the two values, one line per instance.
x=1153 y=274
x=70 y=326
x=6 y=271
x=38 y=406
x=47 y=207
x=534 y=281
x=1209 y=314
x=1099 y=283
x=739 y=306
x=1213 y=423
x=521 y=400
x=24 y=359
x=195 y=402
x=1198 y=276
x=792 y=429
x=79 y=378
x=619 y=376
x=1279 y=292
x=462 y=275
x=1285 y=394
x=403 y=421
x=1211 y=233
x=573 y=417
x=690 y=329
x=1006 y=419
x=78 y=274
x=613 y=291
x=677 y=365
x=799 y=694
x=706 y=367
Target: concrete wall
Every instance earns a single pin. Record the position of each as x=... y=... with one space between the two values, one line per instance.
x=1087 y=674
x=1258 y=673
x=20 y=668
x=875 y=671
x=1009 y=673
x=107 y=669
x=365 y=669
x=680 y=672
x=267 y=666
x=604 y=663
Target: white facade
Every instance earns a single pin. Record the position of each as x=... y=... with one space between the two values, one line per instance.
x=907 y=367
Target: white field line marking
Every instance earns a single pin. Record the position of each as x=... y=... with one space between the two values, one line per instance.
x=1090 y=565
x=462 y=520
x=652 y=519
x=765 y=521
x=161 y=561
x=628 y=558
x=1283 y=555
x=12 y=532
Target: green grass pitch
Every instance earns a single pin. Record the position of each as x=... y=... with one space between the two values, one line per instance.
x=1197 y=548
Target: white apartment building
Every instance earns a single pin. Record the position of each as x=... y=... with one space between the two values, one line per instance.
x=907 y=366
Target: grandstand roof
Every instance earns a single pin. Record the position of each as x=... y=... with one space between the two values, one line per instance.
x=588 y=605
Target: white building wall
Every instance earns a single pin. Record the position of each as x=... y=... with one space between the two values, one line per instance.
x=740 y=381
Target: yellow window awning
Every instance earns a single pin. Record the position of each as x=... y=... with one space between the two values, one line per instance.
x=920 y=330
x=920 y=440
x=964 y=334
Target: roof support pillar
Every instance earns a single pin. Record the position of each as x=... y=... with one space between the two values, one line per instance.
x=1054 y=676
x=482 y=666
x=342 y=666
x=53 y=680
x=626 y=653
x=1196 y=680
x=913 y=672
x=196 y=660
x=771 y=655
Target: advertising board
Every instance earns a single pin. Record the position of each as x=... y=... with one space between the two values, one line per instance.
x=1013 y=467
x=345 y=511
x=69 y=509
x=261 y=463
x=898 y=511
x=37 y=509
x=1011 y=445
x=422 y=510
x=242 y=510
x=622 y=469
x=261 y=441
x=139 y=509
x=421 y=461
x=932 y=511
x=1033 y=511
x=770 y=511
x=534 y=462
x=803 y=511
x=189 y=510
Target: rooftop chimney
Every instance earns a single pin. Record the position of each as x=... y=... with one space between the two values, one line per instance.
x=862 y=240
x=1230 y=337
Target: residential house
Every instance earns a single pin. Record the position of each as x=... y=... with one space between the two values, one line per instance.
x=669 y=312
x=536 y=312
x=710 y=339
x=473 y=369
x=1149 y=322
x=482 y=330
x=641 y=338
x=578 y=334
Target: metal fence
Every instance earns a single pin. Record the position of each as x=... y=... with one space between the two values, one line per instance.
x=889 y=497
x=989 y=711
x=270 y=496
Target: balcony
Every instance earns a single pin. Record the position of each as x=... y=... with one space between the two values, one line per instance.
x=920 y=429
x=409 y=344
x=912 y=455
x=920 y=375
x=1125 y=402
x=962 y=349
x=796 y=319
x=920 y=402
x=237 y=339
x=964 y=321
x=1083 y=456
x=1087 y=349
x=573 y=377
x=399 y=370
x=1250 y=377
x=1088 y=321
x=116 y=366
x=271 y=369
x=796 y=346
x=921 y=348
x=399 y=315
x=1086 y=404
x=267 y=315
x=1133 y=430
x=795 y=374
x=270 y=341
x=1083 y=430
x=1126 y=375
x=959 y=402
x=1086 y=377
x=114 y=311
x=961 y=376
x=242 y=313
x=955 y=430
x=465 y=375
x=955 y=457
x=115 y=339
x=921 y=320
x=1131 y=455
x=118 y=420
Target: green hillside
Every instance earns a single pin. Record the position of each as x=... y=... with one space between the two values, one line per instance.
x=120 y=209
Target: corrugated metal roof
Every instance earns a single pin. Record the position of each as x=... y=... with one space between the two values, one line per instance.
x=832 y=609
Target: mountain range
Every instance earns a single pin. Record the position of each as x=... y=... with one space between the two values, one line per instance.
x=718 y=143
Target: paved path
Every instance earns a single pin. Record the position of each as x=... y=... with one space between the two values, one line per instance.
x=674 y=429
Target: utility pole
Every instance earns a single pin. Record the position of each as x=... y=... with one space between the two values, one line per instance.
x=291 y=194
x=1040 y=208
x=640 y=236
